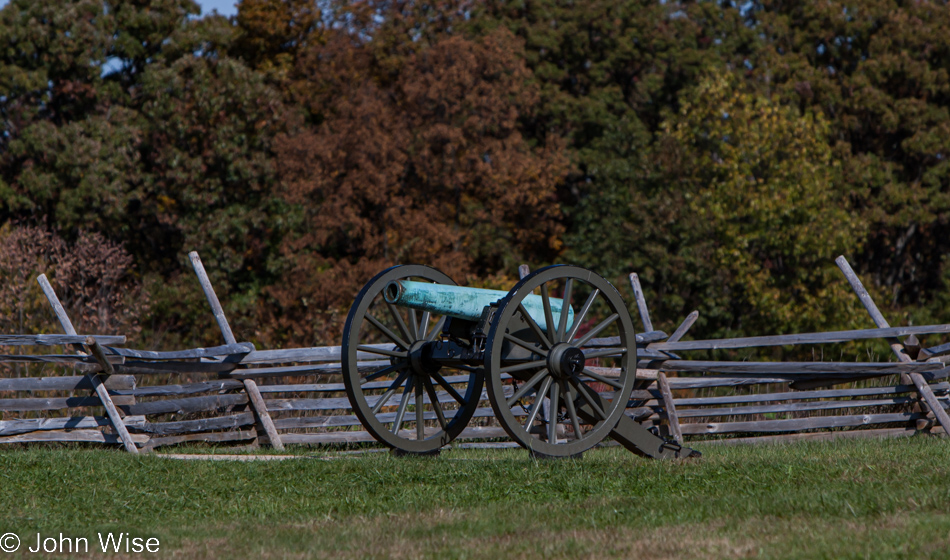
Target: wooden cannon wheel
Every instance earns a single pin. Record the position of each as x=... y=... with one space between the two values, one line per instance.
x=394 y=391
x=550 y=402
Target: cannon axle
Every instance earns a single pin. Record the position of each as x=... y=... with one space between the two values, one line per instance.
x=421 y=358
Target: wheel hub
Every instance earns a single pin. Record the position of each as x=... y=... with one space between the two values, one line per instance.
x=420 y=358
x=565 y=361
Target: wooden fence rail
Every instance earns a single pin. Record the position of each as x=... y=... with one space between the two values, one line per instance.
x=236 y=394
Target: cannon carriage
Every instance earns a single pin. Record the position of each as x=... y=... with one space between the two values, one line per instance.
x=556 y=356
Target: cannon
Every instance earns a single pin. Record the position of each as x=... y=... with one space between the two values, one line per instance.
x=556 y=356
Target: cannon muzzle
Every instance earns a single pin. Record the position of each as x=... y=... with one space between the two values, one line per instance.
x=465 y=303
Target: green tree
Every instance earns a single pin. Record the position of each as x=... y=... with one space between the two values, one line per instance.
x=608 y=71
x=764 y=209
x=880 y=73
x=130 y=119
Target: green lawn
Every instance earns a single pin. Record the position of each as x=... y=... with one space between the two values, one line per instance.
x=847 y=499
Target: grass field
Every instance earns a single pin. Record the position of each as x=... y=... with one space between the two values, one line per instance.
x=847 y=499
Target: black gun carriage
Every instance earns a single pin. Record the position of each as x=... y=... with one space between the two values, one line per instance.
x=556 y=355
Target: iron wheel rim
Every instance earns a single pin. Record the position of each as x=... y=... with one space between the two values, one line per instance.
x=377 y=422
x=623 y=384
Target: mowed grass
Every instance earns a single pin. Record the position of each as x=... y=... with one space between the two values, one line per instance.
x=845 y=499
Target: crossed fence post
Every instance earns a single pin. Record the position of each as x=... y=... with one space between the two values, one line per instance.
x=96 y=379
x=250 y=386
x=92 y=347
x=662 y=383
x=923 y=388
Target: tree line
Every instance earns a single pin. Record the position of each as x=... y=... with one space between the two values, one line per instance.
x=726 y=152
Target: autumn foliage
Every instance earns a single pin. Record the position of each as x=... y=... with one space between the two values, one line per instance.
x=92 y=276
x=725 y=153
x=428 y=167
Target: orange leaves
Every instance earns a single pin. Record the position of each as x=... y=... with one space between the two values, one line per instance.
x=94 y=278
x=418 y=158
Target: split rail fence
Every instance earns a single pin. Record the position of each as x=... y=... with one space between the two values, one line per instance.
x=238 y=395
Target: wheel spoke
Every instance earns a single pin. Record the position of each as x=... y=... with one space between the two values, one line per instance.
x=401 y=411
x=388 y=333
x=605 y=353
x=598 y=377
x=424 y=325
x=596 y=330
x=420 y=412
x=449 y=389
x=523 y=366
x=565 y=310
x=579 y=318
x=548 y=316
x=569 y=403
x=382 y=372
x=435 y=402
x=528 y=385
x=382 y=351
x=388 y=394
x=414 y=324
x=534 y=326
x=400 y=322
x=435 y=330
x=536 y=407
x=582 y=391
x=552 y=413
x=525 y=345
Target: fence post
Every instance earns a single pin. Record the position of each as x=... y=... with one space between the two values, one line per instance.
x=641 y=302
x=95 y=379
x=250 y=387
x=669 y=407
x=918 y=380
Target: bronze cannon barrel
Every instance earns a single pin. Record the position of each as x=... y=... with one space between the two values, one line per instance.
x=465 y=303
